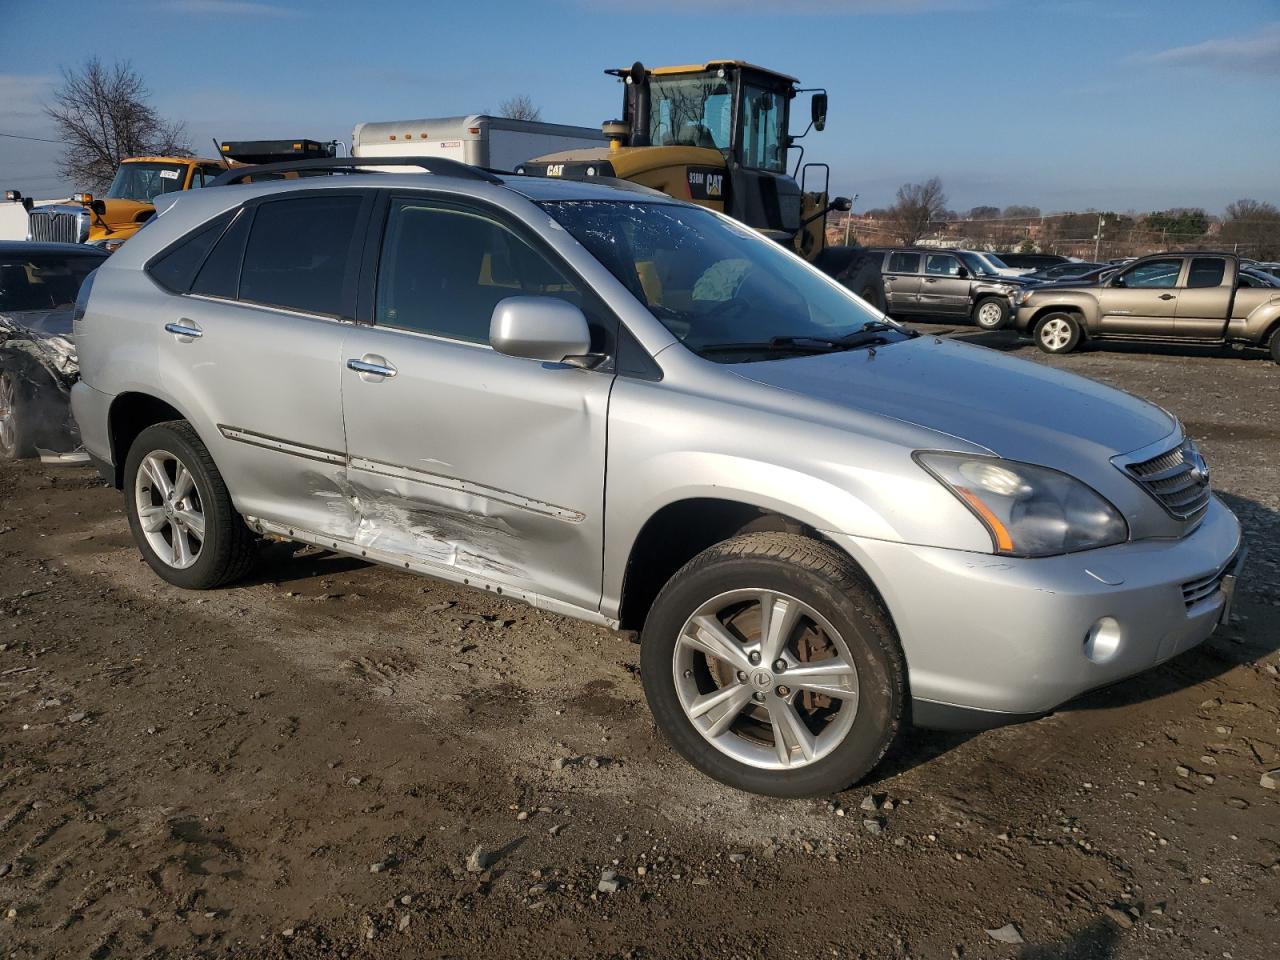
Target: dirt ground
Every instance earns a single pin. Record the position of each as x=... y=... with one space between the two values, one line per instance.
x=300 y=766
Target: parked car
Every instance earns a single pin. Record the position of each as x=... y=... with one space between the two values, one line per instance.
x=925 y=282
x=995 y=265
x=1198 y=297
x=823 y=524
x=1065 y=271
x=1032 y=261
x=1258 y=278
x=38 y=287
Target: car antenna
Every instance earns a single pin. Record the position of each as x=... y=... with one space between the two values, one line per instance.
x=217 y=148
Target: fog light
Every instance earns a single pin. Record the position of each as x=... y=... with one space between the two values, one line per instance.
x=1102 y=642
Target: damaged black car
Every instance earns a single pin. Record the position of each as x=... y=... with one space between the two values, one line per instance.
x=39 y=283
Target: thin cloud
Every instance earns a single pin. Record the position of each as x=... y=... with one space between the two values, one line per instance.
x=234 y=8
x=1258 y=53
x=22 y=103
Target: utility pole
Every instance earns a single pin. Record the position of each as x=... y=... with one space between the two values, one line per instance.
x=848 y=219
x=1097 y=239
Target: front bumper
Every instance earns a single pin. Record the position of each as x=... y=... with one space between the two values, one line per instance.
x=985 y=634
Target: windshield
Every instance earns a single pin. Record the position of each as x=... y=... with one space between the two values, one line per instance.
x=719 y=287
x=36 y=282
x=690 y=111
x=995 y=261
x=146 y=181
x=976 y=264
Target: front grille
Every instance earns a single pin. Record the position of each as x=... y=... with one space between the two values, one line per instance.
x=55 y=227
x=1178 y=479
x=1203 y=588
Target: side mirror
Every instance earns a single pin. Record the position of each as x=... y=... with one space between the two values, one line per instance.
x=540 y=328
x=963 y=273
x=99 y=207
x=818 y=110
x=842 y=204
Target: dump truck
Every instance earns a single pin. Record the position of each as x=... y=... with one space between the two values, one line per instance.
x=494 y=143
x=718 y=134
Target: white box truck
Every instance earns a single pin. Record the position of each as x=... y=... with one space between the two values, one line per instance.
x=497 y=143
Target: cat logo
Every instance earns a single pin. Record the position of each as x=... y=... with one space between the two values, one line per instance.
x=706 y=184
x=555 y=169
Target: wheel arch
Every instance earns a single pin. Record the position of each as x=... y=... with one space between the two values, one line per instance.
x=678 y=531
x=132 y=412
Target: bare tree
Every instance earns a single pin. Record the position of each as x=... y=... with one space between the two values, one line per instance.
x=103 y=115
x=1253 y=227
x=917 y=207
x=519 y=108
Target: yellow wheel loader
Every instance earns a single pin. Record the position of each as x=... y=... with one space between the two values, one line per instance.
x=718 y=134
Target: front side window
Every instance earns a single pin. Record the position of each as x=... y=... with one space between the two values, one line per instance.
x=1153 y=274
x=445 y=268
x=904 y=263
x=978 y=266
x=764 y=135
x=690 y=111
x=299 y=253
x=942 y=265
x=146 y=181
x=718 y=286
x=1206 y=272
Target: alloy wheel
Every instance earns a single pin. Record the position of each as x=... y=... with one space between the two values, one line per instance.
x=8 y=415
x=989 y=315
x=170 y=511
x=1055 y=334
x=766 y=679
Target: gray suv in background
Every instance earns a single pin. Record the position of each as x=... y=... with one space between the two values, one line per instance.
x=823 y=525
x=927 y=282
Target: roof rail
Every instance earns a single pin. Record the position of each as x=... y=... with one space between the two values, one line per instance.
x=442 y=166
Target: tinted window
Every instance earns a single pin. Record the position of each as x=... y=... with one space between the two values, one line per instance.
x=940 y=264
x=904 y=263
x=1154 y=274
x=1206 y=272
x=444 y=269
x=175 y=267
x=220 y=275
x=298 y=253
x=42 y=281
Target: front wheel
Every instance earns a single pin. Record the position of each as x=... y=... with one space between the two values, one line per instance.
x=771 y=666
x=1275 y=345
x=991 y=313
x=180 y=512
x=17 y=440
x=1058 y=333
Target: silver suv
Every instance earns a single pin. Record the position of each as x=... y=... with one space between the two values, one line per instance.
x=623 y=408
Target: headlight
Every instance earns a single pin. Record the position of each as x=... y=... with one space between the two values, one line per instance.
x=1029 y=511
x=1024 y=295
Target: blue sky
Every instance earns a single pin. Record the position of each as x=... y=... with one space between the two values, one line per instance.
x=1064 y=104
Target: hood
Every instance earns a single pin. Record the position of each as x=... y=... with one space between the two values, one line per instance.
x=1017 y=409
x=1066 y=284
x=121 y=216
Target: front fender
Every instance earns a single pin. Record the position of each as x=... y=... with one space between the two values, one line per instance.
x=1077 y=301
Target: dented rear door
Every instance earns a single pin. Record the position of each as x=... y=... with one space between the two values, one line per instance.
x=484 y=467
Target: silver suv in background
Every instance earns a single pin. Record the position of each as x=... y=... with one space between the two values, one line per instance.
x=824 y=525
x=927 y=282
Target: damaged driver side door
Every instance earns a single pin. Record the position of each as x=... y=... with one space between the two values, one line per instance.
x=482 y=468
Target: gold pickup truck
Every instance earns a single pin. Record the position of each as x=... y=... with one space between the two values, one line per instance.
x=111 y=219
x=1194 y=297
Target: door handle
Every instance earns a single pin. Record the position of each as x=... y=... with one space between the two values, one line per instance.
x=366 y=368
x=1167 y=296
x=184 y=328
x=930 y=280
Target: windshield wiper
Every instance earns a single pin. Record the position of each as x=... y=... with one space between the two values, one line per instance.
x=869 y=334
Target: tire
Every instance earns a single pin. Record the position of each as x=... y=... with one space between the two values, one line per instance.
x=991 y=313
x=225 y=550
x=17 y=419
x=1275 y=345
x=1058 y=333
x=835 y=611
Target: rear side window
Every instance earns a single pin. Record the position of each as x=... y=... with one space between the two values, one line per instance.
x=1206 y=272
x=176 y=267
x=220 y=274
x=904 y=263
x=299 y=253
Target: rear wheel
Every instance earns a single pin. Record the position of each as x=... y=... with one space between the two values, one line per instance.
x=1058 y=333
x=770 y=665
x=17 y=440
x=180 y=511
x=991 y=313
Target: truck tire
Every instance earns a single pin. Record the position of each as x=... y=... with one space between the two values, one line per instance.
x=180 y=512
x=1275 y=345
x=771 y=666
x=1058 y=332
x=991 y=313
